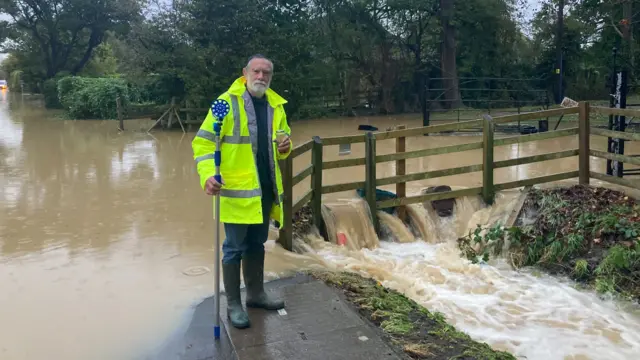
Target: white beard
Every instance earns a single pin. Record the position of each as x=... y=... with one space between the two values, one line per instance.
x=258 y=89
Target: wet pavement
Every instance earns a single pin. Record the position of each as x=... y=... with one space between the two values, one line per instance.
x=196 y=341
x=316 y=325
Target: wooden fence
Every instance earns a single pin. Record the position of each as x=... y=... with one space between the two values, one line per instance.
x=488 y=188
x=170 y=114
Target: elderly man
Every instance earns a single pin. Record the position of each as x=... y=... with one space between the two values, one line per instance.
x=251 y=189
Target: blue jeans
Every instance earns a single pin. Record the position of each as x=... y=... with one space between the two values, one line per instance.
x=246 y=238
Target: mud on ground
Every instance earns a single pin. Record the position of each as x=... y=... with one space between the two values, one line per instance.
x=590 y=234
x=406 y=326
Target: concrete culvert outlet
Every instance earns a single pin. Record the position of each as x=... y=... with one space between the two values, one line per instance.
x=444 y=207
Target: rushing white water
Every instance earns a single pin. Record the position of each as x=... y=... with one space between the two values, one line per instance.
x=534 y=316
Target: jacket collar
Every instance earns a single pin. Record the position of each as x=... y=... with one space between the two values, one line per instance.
x=238 y=88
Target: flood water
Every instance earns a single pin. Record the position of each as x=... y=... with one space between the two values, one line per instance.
x=106 y=243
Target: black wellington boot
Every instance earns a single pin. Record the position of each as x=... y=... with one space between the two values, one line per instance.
x=236 y=313
x=253 y=271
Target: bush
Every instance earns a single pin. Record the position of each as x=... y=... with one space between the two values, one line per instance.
x=93 y=98
x=50 y=93
x=14 y=80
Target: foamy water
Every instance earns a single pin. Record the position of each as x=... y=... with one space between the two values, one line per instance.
x=531 y=315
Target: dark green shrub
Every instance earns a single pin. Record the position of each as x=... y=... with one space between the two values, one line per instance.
x=92 y=98
x=50 y=94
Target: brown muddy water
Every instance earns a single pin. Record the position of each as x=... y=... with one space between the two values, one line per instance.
x=106 y=244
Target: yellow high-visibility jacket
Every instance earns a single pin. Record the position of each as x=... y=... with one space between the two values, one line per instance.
x=240 y=197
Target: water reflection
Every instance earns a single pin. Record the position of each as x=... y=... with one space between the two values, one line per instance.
x=80 y=185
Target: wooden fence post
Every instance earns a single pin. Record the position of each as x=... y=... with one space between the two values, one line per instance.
x=401 y=188
x=370 y=177
x=286 y=233
x=187 y=105
x=316 y=182
x=119 y=112
x=583 y=145
x=171 y=112
x=488 y=191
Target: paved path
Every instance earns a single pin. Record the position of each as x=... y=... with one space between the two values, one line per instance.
x=316 y=325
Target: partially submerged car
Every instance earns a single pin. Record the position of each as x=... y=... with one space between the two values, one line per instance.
x=3 y=84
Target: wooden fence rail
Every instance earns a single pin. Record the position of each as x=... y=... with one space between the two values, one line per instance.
x=487 y=191
x=487 y=165
x=195 y=115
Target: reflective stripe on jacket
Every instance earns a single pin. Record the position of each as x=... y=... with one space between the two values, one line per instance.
x=240 y=197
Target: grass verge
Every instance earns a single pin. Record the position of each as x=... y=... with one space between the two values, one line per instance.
x=407 y=326
x=587 y=233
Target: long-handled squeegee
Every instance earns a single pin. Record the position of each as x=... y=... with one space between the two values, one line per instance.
x=219 y=109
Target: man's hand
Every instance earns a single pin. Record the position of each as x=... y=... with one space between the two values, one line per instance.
x=284 y=146
x=212 y=187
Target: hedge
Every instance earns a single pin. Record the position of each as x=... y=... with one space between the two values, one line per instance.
x=92 y=98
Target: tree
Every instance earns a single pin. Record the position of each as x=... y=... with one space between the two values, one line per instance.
x=61 y=35
x=448 y=66
x=329 y=55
